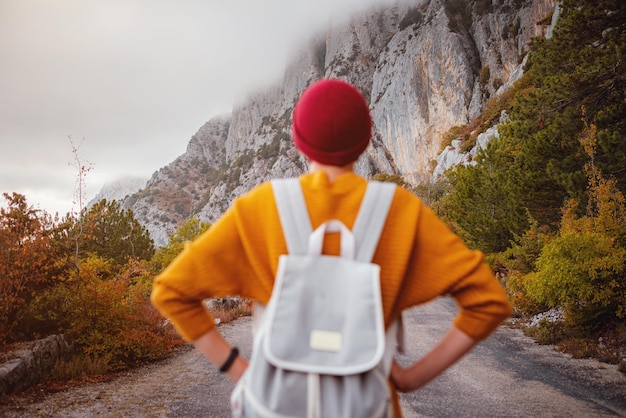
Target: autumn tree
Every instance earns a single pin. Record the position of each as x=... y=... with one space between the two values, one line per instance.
x=86 y=276
x=106 y=311
x=26 y=263
x=583 y=267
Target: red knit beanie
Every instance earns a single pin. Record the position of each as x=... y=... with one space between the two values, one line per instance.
x=332 y=123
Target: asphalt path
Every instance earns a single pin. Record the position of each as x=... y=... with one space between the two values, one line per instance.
x=508 y=375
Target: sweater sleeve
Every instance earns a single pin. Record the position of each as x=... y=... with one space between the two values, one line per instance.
x=443 y=265
x=209 y=267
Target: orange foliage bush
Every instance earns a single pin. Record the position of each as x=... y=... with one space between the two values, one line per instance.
x=48 y=287
x=110 y=316
x=26 y=264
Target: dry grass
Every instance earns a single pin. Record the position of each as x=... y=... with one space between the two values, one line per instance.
x=231 y=309
x=79 y=367
x=607 y=345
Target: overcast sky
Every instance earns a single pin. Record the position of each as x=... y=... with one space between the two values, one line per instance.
x=130 y=81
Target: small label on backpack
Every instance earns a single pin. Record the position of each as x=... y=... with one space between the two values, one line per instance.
x=325 y=340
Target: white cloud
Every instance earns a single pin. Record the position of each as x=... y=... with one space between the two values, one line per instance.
x=134 y=78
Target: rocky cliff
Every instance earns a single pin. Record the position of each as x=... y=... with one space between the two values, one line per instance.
x=118 y=189
x=424 y=65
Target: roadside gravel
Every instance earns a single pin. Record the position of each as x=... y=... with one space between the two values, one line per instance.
x=184 y=385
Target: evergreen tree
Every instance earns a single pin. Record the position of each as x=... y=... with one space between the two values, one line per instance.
x=113 y=233
x=582 y=268
x=486 y=206
x=538 y=162
x=581 y=66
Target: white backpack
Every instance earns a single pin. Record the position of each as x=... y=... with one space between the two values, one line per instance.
x=320 y=349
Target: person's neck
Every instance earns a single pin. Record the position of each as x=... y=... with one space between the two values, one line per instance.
x=332 y=171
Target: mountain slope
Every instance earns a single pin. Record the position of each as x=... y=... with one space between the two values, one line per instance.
x=425 y=66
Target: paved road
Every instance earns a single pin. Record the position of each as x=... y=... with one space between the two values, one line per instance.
x=509 y=376
x=506 y=376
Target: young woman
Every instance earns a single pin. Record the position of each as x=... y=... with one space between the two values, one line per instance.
x=420 y=258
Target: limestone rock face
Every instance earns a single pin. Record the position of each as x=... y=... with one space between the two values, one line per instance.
x=424 y=66
x=454 y=154
x=181 y=188
x=119 y=189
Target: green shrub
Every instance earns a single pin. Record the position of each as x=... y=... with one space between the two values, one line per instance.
x=392 y=178
x=187 y=231
x=546 y=332
x=582 y=272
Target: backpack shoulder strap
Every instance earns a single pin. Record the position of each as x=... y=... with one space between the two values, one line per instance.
x=293 y=213
x=371 y=218
x=296 y=224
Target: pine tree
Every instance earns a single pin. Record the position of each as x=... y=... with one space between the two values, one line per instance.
x=537 y=163
x=580 y=66
x=486 y=207
x=113 y=233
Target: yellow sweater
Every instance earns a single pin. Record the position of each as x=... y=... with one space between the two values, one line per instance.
x=420 y=259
